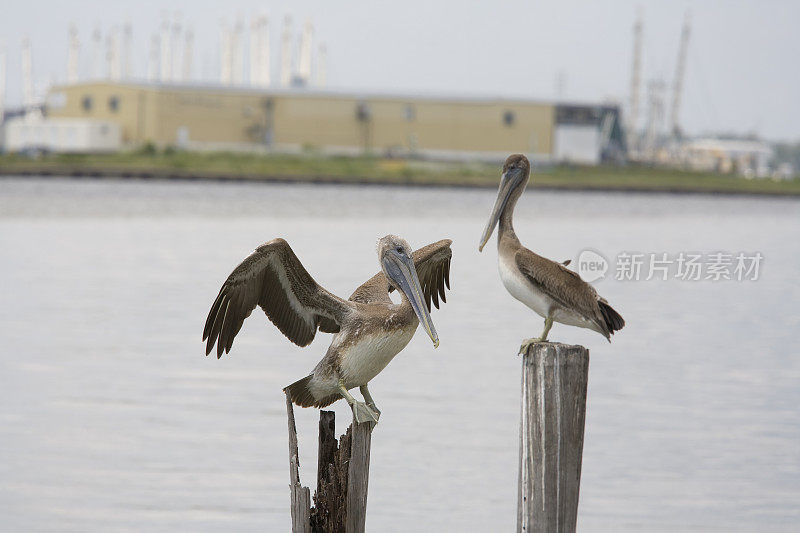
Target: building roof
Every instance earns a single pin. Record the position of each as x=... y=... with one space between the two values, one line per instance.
x=337 y=93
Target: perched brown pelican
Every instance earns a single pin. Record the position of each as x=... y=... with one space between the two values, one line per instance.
x=370 y=329
x=549 y=288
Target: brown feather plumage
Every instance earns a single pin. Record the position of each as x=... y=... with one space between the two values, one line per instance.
x=273 y=278
x=433 y=269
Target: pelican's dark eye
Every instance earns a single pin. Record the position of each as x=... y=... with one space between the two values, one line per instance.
x=400 y=250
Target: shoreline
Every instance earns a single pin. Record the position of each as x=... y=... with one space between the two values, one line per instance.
x=171 y=174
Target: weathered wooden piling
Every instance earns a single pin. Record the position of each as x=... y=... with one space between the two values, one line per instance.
x=301 y=496
x=552 y=418
x=340 y=501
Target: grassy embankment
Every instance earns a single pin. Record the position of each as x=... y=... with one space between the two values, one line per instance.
x=176 y=164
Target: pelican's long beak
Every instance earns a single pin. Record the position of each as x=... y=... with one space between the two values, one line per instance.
x=404 y=274
x=506 y=186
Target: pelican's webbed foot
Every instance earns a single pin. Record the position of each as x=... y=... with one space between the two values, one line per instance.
x=527 y=343
x=370 y=402
x=361 y=411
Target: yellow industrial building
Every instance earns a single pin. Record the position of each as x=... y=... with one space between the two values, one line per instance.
x=212 y=117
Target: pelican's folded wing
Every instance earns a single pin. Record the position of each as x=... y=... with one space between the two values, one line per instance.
x=562 y=285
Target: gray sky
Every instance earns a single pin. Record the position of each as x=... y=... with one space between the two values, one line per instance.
x=742 y=71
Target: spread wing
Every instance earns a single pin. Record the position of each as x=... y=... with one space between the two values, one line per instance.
x=273 y=278
x=561 y=284
x=433 y=269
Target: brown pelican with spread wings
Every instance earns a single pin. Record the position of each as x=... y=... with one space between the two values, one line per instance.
x=369 y=328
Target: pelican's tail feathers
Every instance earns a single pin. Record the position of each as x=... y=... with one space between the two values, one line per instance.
x=613 y=320
x=300 y=393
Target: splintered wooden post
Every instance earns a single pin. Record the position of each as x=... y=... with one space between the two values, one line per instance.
x=340 y=501
x=326 y=450
x=301 y=496
x=554 y=379
x=358 y=476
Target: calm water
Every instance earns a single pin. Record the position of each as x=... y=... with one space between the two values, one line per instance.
x=112 y=419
